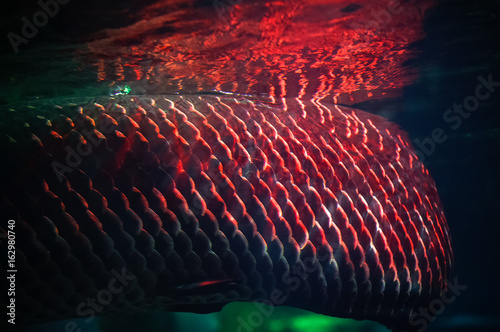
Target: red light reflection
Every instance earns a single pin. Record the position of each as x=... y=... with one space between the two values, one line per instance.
x=318 y=49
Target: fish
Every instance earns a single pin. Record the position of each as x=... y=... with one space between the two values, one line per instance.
x=189 y=202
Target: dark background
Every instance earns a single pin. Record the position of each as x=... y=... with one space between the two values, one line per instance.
x=461 y=44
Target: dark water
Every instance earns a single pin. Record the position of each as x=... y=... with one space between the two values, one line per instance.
x=410 y=61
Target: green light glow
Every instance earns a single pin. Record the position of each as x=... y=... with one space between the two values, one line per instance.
x=120 y=90
x=252 y=317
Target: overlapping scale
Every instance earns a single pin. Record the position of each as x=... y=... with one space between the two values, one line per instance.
x=209 y=199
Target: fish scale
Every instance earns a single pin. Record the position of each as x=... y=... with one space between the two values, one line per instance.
x=209 y=199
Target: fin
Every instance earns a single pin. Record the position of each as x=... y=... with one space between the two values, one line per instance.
x=207 y=286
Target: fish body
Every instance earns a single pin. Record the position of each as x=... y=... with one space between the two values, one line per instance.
x=190 y=202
